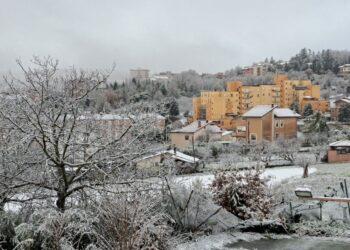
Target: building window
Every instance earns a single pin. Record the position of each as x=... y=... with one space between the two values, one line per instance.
x=252 y=137
x=187 y=137
x=276 y=124
x=279 y=124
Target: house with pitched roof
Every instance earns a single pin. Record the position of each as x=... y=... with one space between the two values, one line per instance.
x=336 y=105
x=198 y=130
x=268 y=122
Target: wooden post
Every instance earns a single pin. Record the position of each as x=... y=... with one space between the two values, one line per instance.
x=321 y=211
x=347 y=194
x=291 y=212
x=194 y=153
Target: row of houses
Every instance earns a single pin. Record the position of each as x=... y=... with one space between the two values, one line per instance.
x=263 y=122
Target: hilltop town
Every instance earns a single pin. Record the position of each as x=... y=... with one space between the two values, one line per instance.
x=230 y=155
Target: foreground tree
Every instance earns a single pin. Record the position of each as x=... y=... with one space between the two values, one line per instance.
x=66 y=153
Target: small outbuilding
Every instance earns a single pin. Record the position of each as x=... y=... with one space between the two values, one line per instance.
x=153 y=163
x=339 y=151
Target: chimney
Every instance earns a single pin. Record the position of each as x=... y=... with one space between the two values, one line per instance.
x=199 y=124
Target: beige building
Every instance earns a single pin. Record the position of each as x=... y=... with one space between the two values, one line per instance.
x=223 y=106
x=199 y=130
x=344 y=69
x=111 y=126
x=267 y=122
x=139 y=74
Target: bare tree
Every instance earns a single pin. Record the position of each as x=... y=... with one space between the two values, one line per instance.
x=287 y=149
x=66 y=153
x=305 y=161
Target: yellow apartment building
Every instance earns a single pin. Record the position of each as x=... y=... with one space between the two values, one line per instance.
x=221 y=106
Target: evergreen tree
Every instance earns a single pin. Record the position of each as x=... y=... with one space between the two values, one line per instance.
x=316 y=123
x=115 y=85
x=174 y=108
x=344 y=113
x=308 y=110
x=164 y=90
x=295 y=106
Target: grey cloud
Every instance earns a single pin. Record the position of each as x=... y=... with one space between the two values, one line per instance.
x=204 y=35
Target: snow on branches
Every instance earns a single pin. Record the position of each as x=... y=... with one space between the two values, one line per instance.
x=242 y=193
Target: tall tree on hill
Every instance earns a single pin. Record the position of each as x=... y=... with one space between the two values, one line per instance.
x=344 y=113
x=295 y=107
x=308 y=110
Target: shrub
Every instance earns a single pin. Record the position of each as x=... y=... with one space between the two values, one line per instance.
x=132 y=221
x=242 y=193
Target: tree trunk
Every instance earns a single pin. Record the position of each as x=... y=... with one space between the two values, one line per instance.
x=61 y=202
x=306 y=171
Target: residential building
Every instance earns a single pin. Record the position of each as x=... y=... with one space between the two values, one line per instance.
x=139 y=74
x=336 y=105
x=285 y=123
x=257 y=69
x=219 y=75
x=344 y=70
x=223 y=106
x=247 y=71
x=260 y=69
x=339 y=152
x=111 y=126
x=196 y=131
x=268 y=122
x=259 y=123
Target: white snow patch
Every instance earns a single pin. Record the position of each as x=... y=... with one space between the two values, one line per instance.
x=275 y=176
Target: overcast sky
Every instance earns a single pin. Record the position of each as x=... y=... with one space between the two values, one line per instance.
x=176 y=35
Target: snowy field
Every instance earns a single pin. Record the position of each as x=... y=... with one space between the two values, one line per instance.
x=274 y=176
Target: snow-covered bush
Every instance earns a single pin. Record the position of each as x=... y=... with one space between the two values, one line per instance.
x=132 y=221
x=242 y=193
x=188 y=206
x=50 y=229
x=6 y=231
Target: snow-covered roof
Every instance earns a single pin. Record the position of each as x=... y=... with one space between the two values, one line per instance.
x=213 y=128
x=175 y=155
x=344 y=143
x=226 y=132
x=258 y=111
x=183 y=157
x=332 y=104
x=110 y=117
x=347 y=100
x=303 y=189
x=192 y=127
x=285 y=112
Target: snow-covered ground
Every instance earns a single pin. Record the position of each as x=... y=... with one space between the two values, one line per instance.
x=275 y=176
